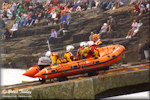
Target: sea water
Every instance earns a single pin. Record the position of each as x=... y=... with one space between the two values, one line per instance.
x=14 y=76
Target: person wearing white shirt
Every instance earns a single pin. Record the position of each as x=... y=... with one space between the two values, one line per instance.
x=137 y=29
x=14 y=28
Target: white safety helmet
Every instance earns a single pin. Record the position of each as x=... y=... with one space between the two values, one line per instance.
x=90 y=43
x=83 y=44
x=44 y=61
x=69 y=48
x=48 y=54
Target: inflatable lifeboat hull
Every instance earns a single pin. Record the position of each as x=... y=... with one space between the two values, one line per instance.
x=108 y=56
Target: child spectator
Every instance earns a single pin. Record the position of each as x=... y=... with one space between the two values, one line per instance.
x=53 y=36
x=131 y=31
x=14 y=28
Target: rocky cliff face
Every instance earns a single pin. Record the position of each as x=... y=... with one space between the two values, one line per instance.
x=29 y=43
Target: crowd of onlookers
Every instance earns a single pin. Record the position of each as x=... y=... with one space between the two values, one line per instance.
x=30 y=12
x=141 y=6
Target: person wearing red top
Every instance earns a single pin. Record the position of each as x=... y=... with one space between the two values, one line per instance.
x=137 y=9
x=55 y=2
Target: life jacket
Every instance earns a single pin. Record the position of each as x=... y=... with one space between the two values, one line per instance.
x=57 y=56
x=79 y=52
x=71 y=55
x=97 y=43
x=91 y=50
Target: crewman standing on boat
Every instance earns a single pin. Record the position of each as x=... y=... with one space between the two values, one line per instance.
x=68 y=56
x=97 y=41
x=54 y=56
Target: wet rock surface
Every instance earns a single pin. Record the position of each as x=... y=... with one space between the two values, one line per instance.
x=29 y=43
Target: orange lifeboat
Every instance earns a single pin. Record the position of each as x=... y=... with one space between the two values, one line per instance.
x=108 y=56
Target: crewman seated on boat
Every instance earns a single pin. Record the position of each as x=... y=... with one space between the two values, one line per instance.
x=97 y=41
x=90 y=51
x=54 y=56
x=68 y=56
x=79 y=52
x=43 y=62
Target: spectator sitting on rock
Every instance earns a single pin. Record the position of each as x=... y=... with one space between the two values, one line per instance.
x=137 y=9
x=83 y=6
x=91 y=37
x=68 y=18
x=5 y=34
x=9 y=14
x=33 y=18
x=131 y=31
x=142 y=7
x=147 y=6
x=37 y=20
x=111 y=24
x=138 y=27
x=52 y=19
x=64 y=17
x=26 y=21
x=64 y=27
x=53 y=36
x=102 y=5
x=75 y=6
x=13 y=29
x=4 y=17
x=104 y=29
